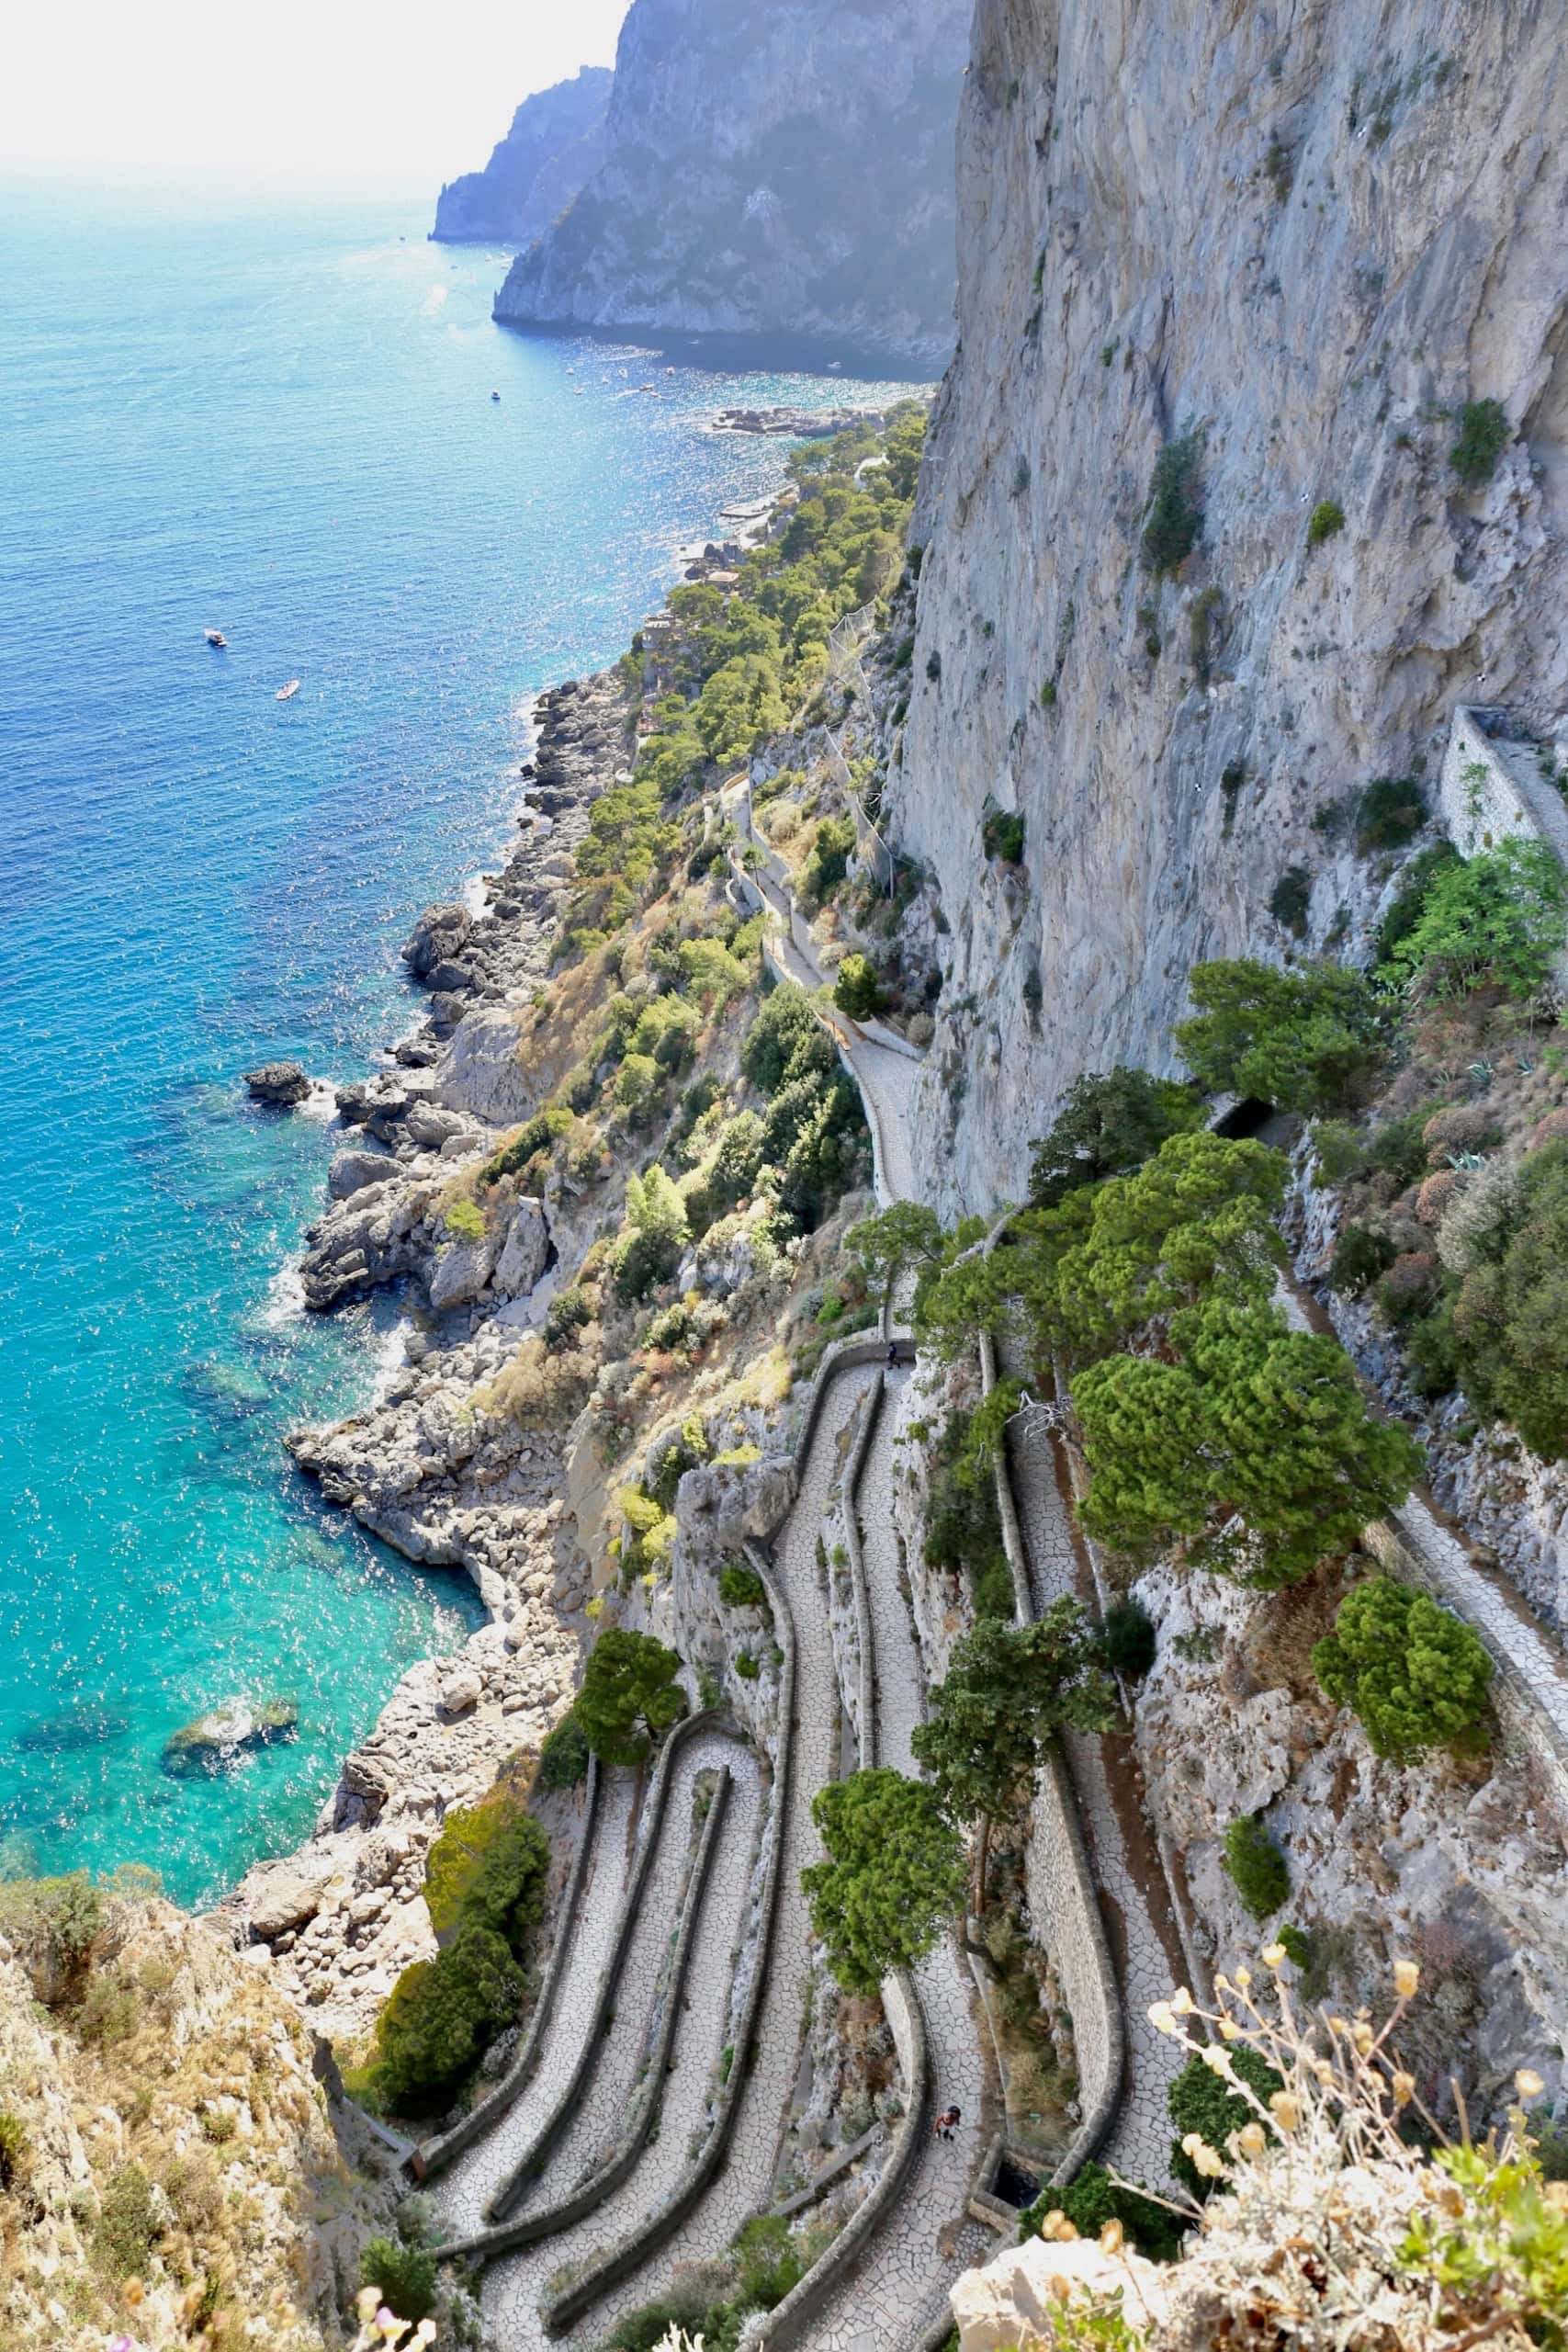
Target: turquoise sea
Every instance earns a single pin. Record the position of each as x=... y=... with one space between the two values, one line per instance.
x=275 y=422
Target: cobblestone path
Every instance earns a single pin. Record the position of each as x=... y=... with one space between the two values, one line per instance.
x=463 y=2192
x=1141 y=1927
x=899 y=2285
x=746 y=2183
x=514 y=2286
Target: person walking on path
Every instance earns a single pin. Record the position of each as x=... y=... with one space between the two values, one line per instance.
x=947 y=2122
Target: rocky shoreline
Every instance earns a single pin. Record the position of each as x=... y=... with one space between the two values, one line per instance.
x=334 y=1923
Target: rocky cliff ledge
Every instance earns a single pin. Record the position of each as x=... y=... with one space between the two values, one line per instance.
x=1295 y=243
x=777 y=169
x=555 y=144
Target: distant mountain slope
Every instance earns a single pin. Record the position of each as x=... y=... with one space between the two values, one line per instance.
x=771 y=166
x=555 y=144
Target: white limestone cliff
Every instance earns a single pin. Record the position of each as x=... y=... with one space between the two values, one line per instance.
x=1306 y=237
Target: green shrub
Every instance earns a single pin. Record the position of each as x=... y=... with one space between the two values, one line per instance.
x=1002 y=836
x=489 y=1867
x=1405 y=908
x=768 y=2261
x=12 y=2148
x=893 y=1876
x=1361 y=1254
x=1306 y=1040
x=1174 y=517
x=128 y=2227
x=740 y=1586
x=441 y=2017
x=829 y=860
x=1339 y=1149
x=745 y=1666
x=1508 y=1312
x=1296 y=1944
x=785 y=1042
x=568 y=1313
x=55 y=1923
x=1128 y=1641
x=1327 y=522
x=856 y=989
x=1258 y=1868
x=563 y=1758
x=1498 y=917
x=1290 y=899
x=652 y=1239
x=1483 y=433
x=1397 y=1147
x=1414 y=1674
x=111 y=2011
x=464 y=1221
x=1390 y=813
x=536 y=1138
x=1198 y=2101
x=1093 y=2198
x=403 y=2276
x=963 y=1528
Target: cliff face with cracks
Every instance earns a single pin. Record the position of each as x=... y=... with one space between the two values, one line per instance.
x=769 y=170
x=1303 y=237
x=556 y=141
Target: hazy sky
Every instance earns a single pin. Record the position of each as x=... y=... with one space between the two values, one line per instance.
x=372 y=89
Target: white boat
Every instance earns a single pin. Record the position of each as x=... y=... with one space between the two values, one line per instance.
x=288 y=693
x=215 y=637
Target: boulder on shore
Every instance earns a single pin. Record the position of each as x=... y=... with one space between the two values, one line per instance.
x=439 y=935
x=355 y=1172
x=283 y=1084
x=212 y=1742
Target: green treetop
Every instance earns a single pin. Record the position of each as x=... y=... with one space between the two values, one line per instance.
x=1108 y=1124
x=1008 y=1690
x=629 y=1695
x=903 y=1237
x=894 y=1873
x=1200 y=1212
x=1254 y=1447
x=1305 y=1040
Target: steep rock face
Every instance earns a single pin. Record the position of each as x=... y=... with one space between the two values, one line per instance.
x=769 y=168
x=1304 y=236
x=554 y=146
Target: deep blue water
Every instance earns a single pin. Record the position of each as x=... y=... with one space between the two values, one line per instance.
x=279 y=423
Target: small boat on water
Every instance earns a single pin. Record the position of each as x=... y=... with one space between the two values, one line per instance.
x=215 y=637
x=288 y=693
x=495 y=396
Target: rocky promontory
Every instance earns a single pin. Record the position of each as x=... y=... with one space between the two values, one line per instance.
x=779 y=170
x=555 y=143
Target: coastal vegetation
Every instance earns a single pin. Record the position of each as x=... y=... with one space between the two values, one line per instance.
x=484 y=1885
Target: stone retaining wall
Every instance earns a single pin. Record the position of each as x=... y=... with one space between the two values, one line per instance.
x=565 y=2106
x=1492 y=788
x=788 y=2322
x=633 y=2251
x=434 y=2156
x=1060 y=1885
